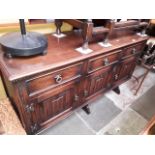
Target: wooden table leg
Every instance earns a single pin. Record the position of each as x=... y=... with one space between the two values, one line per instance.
x=86 y=109
x=117 y=90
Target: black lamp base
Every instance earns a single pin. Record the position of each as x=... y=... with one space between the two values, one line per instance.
x=15 y=44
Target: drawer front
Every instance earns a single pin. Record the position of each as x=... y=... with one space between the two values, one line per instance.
x=50 y=80
x=103 y=61
x=133 y=50
x=55 y=103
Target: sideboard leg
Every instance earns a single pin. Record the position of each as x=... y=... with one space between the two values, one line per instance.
x=86 y=109
x=117 y=90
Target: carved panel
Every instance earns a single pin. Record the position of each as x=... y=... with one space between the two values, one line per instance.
x=127 y=68
x=96 y=82
x=55 y=105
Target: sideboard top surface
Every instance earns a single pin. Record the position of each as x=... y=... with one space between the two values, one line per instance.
x=60 y=52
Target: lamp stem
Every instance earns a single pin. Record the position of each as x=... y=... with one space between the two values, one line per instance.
x=22 y=26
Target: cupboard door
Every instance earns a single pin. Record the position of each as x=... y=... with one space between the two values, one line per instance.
x=52 y=105
x=116 y=73
x=127 y=68
x=96 y=82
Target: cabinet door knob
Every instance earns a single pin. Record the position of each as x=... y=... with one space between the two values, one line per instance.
x=85 y=93
x=116 y=76
x=133 y=51
x=106 y=61
x=58 y=78
x=30 y=108
x=76 y=98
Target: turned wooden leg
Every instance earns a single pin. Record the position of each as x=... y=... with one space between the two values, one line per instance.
x=87 y=31
x=85 y=45
x=105 y=41
x=58 y=24
x=86 y=109
x=117 y=90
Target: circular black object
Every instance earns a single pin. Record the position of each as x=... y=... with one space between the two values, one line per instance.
x=29 y=44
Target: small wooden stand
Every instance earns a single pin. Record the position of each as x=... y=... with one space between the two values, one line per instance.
x=142 y=77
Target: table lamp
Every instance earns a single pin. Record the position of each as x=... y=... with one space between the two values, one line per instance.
x=23 y=44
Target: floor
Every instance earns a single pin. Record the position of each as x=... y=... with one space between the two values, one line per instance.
x=112 y=114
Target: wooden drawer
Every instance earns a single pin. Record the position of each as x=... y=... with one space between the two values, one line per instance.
x=102 y=61
x=133 y=50
x=50 y=80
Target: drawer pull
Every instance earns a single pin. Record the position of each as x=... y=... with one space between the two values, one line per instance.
x=76 y=98
x=106 y=61
x=133 y=51
x=116 y=76
x=58 y=78
x=30 y=108
x=85 y=93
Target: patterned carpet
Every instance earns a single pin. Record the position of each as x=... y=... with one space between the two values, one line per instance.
x=10 y=123
x=1 y=129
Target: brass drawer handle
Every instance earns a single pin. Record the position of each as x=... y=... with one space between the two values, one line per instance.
x=116 y=76
x=133 y=51
x=58 y=78
x=106 y=61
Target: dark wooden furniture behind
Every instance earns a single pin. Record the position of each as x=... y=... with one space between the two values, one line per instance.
x=47 y=89
x=107 y=28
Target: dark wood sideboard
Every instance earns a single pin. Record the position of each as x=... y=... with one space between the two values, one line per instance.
x=47 y=89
